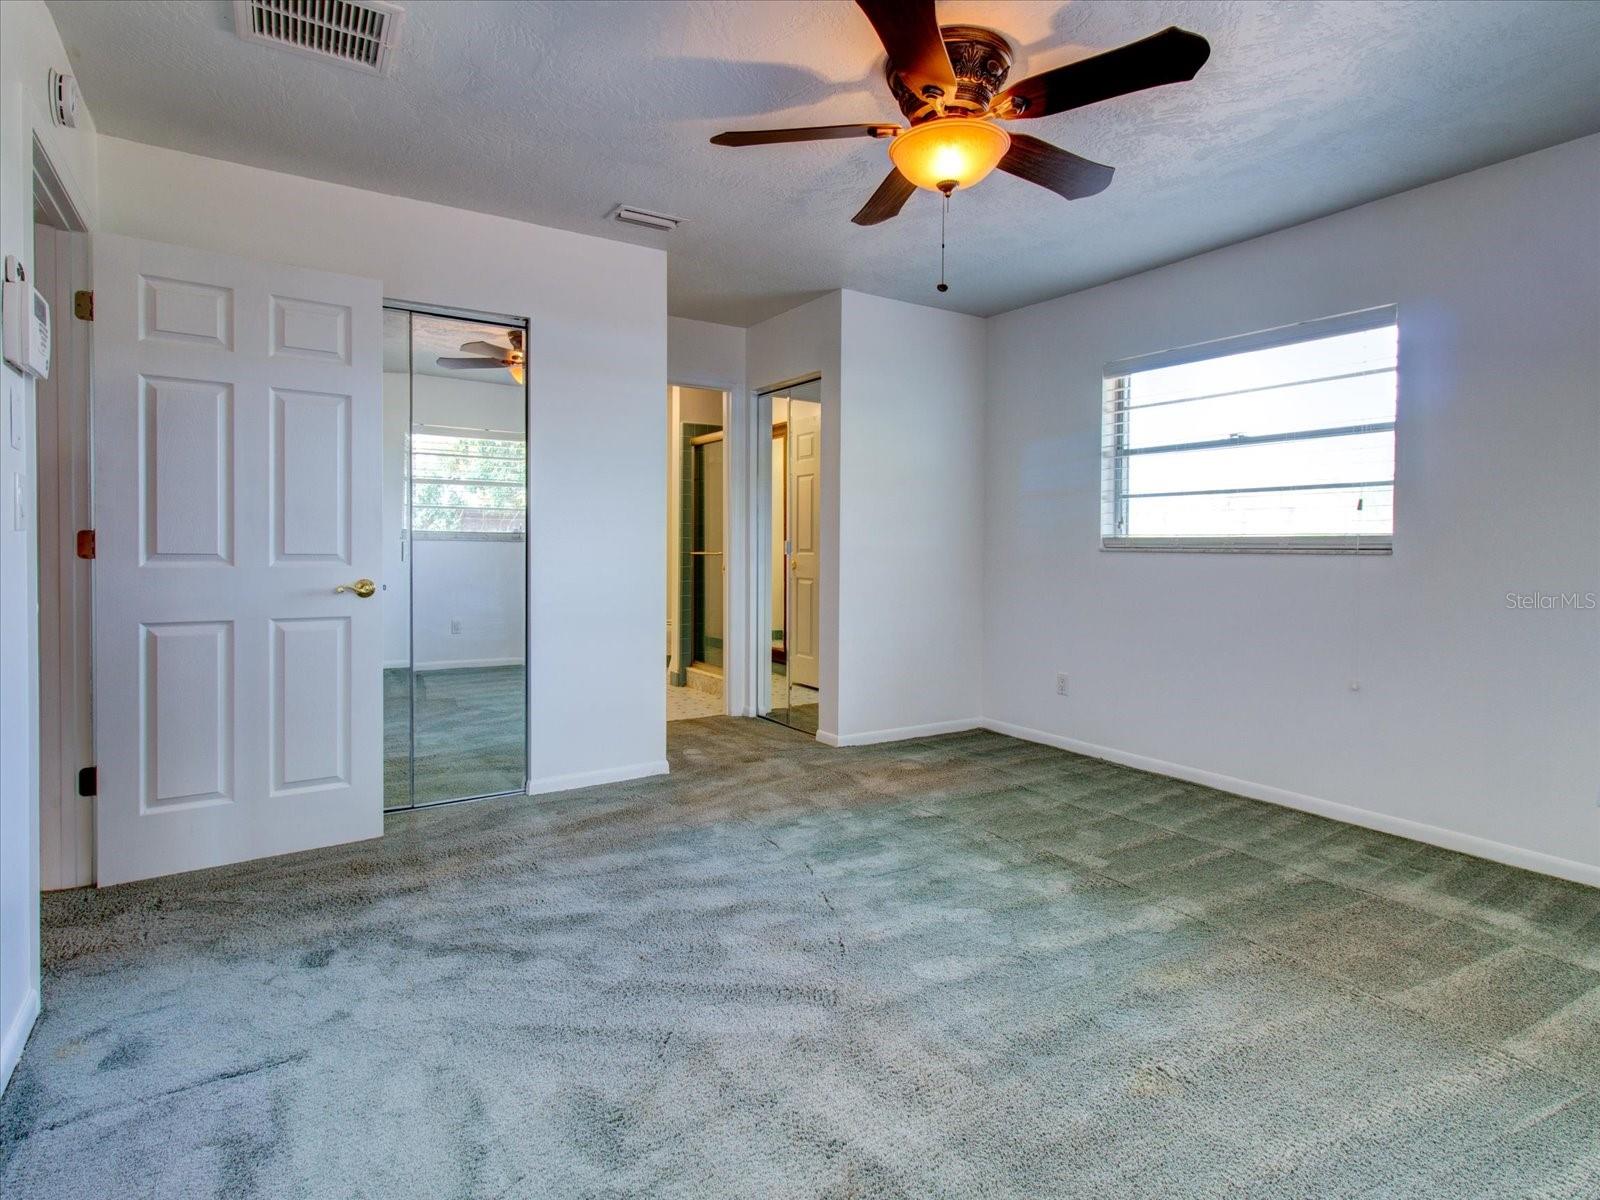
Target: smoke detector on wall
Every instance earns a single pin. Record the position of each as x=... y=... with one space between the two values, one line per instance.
x=64 y=99
x=360 y=34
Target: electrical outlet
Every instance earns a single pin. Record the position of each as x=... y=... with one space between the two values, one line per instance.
x=455 y=627
x=1061 y=683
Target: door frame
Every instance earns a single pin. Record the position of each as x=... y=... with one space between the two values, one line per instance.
x=64 y=505
x=412 y=307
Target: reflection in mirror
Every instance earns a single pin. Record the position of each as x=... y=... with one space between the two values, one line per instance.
x=796 y=552
x=460 y=525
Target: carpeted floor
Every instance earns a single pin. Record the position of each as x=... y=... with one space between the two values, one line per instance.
x=965 y=967
x=469 y=725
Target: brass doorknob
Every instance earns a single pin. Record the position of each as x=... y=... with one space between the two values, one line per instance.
x=361 y=587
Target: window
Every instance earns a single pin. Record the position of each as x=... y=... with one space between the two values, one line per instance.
x=1282 y=440
x=468 y=485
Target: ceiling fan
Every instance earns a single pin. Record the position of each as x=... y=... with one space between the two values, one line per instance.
x=949 y=82
x=513 y=358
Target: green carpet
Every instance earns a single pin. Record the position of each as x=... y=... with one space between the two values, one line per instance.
x=964 y=967
x=469 y=725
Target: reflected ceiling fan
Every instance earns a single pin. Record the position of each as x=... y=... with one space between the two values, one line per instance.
x=513 y=357
x=949 y=82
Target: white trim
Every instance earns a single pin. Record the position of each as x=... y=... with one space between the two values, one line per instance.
x=583 y=779
x=1417 y=831
x=904 y=733
x=16 y=1037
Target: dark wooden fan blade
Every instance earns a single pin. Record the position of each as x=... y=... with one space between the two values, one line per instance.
x=1171 y=56
x=484 y=348
x=909 y=31
x=815 y=133
x=472 y=364
x=1064 y=173
x=887 y=201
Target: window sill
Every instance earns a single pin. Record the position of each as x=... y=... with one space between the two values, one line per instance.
x=1331 y=545
x=451 y=535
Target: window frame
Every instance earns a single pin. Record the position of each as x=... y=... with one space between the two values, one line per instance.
x=1114 y=495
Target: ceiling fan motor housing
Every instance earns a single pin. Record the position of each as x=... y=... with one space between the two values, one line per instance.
x=981 y=59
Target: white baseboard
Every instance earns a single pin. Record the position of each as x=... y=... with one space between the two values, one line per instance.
x=16 y=1035
x=1417 y=831
x=904 y=733
x=583 y=779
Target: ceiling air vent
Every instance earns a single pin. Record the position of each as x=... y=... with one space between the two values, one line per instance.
x=629 y=215
x=354 y=33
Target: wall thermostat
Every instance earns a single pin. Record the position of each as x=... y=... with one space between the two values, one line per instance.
x=25 y=315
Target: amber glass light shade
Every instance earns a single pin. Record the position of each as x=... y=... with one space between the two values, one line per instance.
x=959 y=150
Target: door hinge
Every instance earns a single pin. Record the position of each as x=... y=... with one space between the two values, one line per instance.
x=83 y=305
x=89 y=781
x=85 y=543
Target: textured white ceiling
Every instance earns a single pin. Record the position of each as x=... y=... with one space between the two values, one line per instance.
x=556 y=112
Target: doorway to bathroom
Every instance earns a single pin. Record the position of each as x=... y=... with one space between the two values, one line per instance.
x=455 y=499
x=696 y=553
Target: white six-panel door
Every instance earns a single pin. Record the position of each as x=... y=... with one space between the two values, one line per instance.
x=237 y=442
x=805 y=534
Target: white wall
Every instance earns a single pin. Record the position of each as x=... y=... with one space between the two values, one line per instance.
x=477 y=585
x=29 y=47
x=706 y=355
x=598 y=367
x=1476 y=726
x=902 y=507
x=910 y=519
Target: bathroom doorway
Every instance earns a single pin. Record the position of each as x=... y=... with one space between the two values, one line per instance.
x=696 y=554
x=455 y=579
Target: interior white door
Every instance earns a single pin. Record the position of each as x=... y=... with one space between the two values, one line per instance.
x=237 y=447
x=805 y=530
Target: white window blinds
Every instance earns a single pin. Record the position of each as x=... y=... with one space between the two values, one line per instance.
x=1282 y=440
x=468 y=485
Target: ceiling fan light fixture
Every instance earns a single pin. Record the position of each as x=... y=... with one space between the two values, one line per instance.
x=946 y=150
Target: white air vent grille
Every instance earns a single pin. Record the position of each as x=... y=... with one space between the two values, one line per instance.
x=354 y=33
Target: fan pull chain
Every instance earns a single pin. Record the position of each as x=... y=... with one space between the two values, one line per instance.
x=944 y=217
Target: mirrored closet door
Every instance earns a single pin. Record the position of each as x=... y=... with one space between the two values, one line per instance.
x=455 y=569
x=796 y=518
